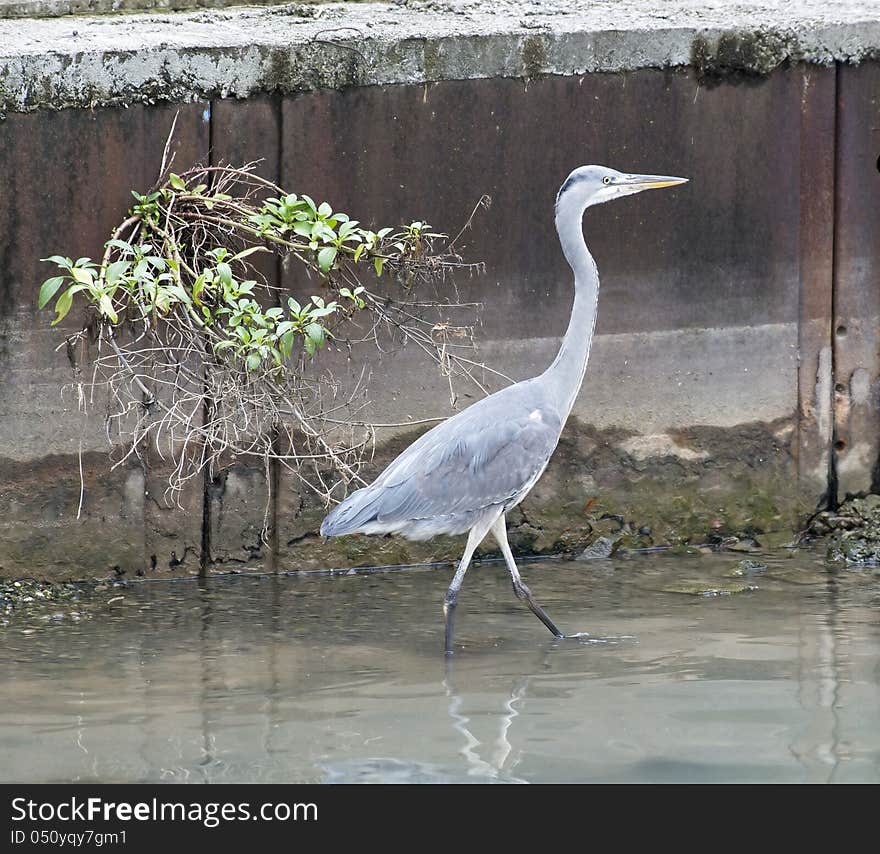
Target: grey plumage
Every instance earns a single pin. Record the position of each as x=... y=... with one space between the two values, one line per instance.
x=466 y=473
x=485 y=457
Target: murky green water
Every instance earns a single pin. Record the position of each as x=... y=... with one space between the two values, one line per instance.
x=342 y=679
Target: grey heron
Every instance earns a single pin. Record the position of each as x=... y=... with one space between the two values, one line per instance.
x=465 y=474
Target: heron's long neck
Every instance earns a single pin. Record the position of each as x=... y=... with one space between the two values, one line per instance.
x=565 y=375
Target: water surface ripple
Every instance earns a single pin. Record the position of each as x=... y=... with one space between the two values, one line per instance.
x=342 y=678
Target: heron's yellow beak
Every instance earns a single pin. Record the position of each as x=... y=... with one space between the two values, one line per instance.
x=650 y=182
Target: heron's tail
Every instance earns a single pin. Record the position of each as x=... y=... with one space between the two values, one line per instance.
x=351 y=515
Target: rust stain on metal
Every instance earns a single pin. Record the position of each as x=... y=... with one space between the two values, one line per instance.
x=751 y=243
x=685 y=259
x=67 y=182
x=856 y=268
x=816 y=154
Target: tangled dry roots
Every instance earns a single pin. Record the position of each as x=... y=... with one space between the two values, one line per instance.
x=172 y=391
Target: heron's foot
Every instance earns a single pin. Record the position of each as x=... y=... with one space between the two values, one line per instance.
x=522 y=592
x=449 y=616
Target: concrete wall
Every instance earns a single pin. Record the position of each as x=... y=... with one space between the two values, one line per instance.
x=733 y=382
x=59 y=8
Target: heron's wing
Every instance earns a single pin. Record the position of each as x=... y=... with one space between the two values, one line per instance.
x=469 y=465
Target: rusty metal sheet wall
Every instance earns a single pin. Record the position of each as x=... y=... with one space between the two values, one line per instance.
x=747 y=243
x=857 y=281
x=67 y=179
x=721 y=251
x=241 y=509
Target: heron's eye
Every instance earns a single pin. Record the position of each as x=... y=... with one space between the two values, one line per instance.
x=606 y=179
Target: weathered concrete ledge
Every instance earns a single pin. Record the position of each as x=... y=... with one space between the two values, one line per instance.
x=121 y=60
x=59 y=8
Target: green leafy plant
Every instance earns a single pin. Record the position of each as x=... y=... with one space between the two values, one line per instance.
x=202 y=344
x=142 y=279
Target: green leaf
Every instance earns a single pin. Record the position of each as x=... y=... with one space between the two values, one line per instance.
x=63 y=305
x=322 y=230
x=224 y=272
x=106 y=307
x=253 y=361
x=198 y=287
x=249 y=251
x=315 y=332
x=325 y=210
x=59 y=260
x=83 y=276
x=115 y=271
x=326 y=257
x=180 y=293
x=48 y=290
x=294 y=306
x=286 y=344
x=378 y=263
x=176 y=182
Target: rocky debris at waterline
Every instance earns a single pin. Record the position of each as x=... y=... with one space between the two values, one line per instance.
x=15 y=595
x=852 y=531
x=603 y=547
x=746 y=567
x=53 y=600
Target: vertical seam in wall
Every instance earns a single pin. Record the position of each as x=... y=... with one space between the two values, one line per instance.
x=205 y=556
x=799 y=425
x=833 y=480
x=274 y=464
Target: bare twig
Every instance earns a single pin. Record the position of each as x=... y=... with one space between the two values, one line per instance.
x=171 y=385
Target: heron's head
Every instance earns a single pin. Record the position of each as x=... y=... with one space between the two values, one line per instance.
x=592 y=185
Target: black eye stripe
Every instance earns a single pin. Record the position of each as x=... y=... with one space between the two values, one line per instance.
x=572 y=180
x=569 y=183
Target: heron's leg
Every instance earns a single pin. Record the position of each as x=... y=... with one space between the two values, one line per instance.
x=475 y=537
x=499 y=530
